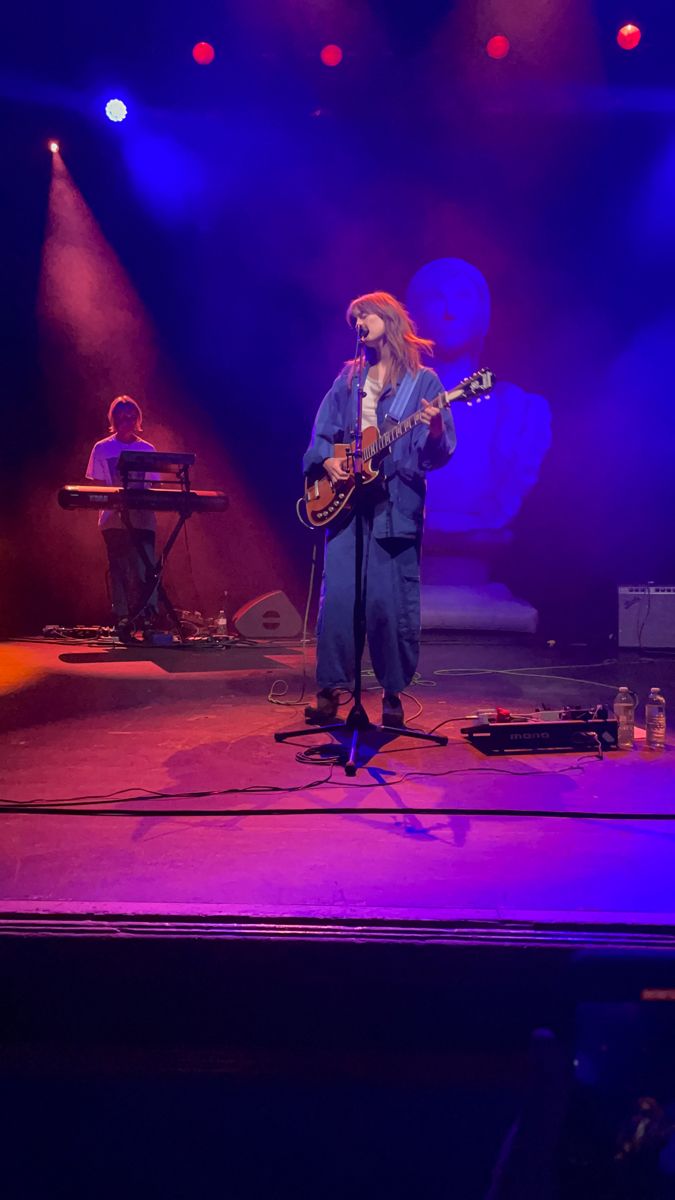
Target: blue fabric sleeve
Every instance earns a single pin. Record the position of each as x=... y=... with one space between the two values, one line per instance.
x=327 y=428
x=435 y=452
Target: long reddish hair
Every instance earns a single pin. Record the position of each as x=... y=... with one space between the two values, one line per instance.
x=405 y=345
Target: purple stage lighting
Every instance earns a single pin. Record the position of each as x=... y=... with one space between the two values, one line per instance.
x=116 y=110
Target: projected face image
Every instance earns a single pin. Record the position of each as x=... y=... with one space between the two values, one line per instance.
x=450 y=301
x=500 y=444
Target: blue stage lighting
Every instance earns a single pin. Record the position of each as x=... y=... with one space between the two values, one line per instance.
x=115 y=110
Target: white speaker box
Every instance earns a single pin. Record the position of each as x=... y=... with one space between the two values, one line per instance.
x=268 y=616
x=647 y=617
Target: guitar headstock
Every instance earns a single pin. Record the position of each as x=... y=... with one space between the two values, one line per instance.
x=473 y=388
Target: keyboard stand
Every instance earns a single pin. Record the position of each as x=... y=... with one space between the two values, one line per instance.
x=156 y=569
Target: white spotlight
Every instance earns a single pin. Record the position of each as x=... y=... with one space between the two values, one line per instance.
x=115 y=110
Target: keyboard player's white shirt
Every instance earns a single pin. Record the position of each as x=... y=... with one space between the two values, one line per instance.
x=103 y=467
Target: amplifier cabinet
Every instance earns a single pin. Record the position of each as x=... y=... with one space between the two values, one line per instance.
x=647 y=616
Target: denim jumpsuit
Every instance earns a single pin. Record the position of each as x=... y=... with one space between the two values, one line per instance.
x=393 y=521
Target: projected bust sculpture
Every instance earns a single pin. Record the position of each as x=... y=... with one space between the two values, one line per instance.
x=500 y=447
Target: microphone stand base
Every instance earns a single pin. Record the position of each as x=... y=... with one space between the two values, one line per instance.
x=358 y=723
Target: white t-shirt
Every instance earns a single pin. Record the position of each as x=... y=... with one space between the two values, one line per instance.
x=103 y=467
x=373 y=391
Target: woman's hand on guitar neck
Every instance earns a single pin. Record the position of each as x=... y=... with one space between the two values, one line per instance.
x=431 y=416
x=336 y=469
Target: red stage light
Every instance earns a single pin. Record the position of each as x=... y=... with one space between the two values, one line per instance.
x=331 y=56
x=203 y=53
x=53 y=146
x=498 y=46
x=628 y=37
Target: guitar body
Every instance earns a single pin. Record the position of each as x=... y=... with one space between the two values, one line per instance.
x=324 y=501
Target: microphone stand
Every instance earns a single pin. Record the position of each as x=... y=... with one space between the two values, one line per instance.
x=357 y=721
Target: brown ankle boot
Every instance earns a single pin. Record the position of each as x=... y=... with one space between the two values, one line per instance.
x=326 y=708
x=392 y=711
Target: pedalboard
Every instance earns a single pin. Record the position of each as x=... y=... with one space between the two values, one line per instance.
x=553 y=732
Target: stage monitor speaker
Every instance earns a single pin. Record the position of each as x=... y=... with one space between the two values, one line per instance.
x=647 y=617
x=268 y=616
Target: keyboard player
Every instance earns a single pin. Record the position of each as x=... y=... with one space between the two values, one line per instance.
x=128 y=571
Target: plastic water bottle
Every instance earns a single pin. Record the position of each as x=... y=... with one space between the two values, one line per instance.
x=655 y=720
x=624 y=711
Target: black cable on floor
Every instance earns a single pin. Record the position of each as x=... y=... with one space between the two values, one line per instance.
x=265 y=789
x=69 y=807
x=578 y=815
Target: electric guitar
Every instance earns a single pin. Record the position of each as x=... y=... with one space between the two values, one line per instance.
x=324 y=501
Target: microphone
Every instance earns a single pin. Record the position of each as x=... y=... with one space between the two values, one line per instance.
x=362 y=331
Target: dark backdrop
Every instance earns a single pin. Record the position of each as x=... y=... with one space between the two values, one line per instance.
x=210 y=243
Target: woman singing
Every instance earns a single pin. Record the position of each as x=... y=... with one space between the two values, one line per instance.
x=396 y=385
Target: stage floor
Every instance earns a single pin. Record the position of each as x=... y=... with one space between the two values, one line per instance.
x=80 y=721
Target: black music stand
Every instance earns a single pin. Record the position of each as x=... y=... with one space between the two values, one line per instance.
x=358 y=721
x=160 y=463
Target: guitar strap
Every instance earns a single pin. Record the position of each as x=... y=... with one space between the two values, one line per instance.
x=401 y=397
x=399 y=401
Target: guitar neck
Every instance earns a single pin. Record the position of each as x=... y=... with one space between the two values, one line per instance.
x=402 y=427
